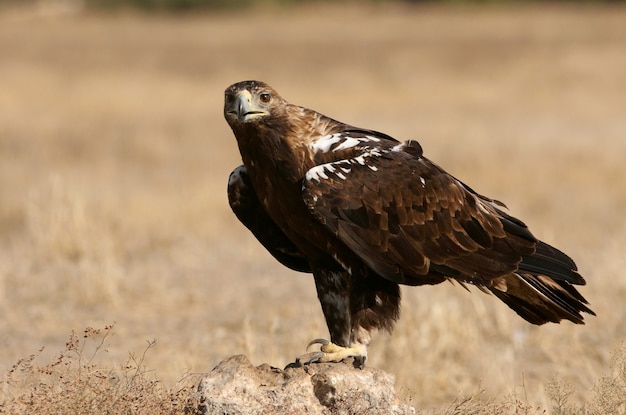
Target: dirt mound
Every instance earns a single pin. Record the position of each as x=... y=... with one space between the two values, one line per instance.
x=235 y=386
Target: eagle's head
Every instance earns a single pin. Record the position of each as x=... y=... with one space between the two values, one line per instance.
x=250 y=102
x=271 y=131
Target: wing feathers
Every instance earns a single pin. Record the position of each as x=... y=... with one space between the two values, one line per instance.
x=398 y=212
x=246 y=206
x=412 y=222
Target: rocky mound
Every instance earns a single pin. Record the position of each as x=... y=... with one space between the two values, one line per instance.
x=236 y=387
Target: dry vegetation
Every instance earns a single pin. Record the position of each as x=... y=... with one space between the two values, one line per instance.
x=75 y=383
x=113 y=165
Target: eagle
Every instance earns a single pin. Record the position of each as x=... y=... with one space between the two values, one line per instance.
x=365 y=213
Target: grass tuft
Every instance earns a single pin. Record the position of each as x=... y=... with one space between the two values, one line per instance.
x=559 y=392
x=76 y=383
x=477 y=404
x=609 y=392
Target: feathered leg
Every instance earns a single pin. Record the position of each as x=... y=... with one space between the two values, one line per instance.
x=333 y=291
x=352 y=312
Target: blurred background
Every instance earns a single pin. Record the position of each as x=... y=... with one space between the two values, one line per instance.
x=114 y=159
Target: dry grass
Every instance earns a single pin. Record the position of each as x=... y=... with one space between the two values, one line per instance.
x=78 y=382
x=114 y=158
x=75 y=383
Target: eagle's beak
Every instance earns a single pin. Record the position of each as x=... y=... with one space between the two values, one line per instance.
x=245 y=109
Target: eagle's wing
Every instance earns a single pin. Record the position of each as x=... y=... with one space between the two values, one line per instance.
x=248 y=209
x=407 y=218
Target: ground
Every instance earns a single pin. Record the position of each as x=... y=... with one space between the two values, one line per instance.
x=114 y=158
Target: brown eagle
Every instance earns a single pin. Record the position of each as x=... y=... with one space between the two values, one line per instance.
x=364 y=213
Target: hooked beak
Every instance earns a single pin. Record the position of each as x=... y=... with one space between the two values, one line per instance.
x=244 y=109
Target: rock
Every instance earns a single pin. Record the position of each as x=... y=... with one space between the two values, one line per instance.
x=236 y=387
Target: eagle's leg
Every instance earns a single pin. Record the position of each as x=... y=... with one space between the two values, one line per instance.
x=333 y=291
x=353 y=309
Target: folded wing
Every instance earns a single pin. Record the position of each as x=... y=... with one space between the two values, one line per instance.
x=248 y=209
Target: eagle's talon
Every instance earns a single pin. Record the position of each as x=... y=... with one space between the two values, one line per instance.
x=323 y=342
x=330 y=352
x=359 y=362
x=308 y=358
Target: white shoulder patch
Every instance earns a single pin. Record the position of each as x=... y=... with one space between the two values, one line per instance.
x=398 y=147
x=317 y=173
x=341 y=141
x=342 y=168
x=371 y=138
x=347 y=143
x=325 y=143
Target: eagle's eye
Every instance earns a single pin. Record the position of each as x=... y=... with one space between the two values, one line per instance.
x=265 y=97
x=229 y=98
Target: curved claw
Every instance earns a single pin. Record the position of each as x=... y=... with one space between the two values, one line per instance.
x=309 y=358
x=323 y=342
x=330 y=352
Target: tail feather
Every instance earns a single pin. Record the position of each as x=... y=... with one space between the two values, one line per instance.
x=541 y=299
x=548 y=260
x=541 y=289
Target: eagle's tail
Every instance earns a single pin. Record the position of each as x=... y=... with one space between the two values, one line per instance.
x=541 y=290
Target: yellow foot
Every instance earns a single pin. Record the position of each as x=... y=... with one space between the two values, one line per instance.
x=330 y=352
